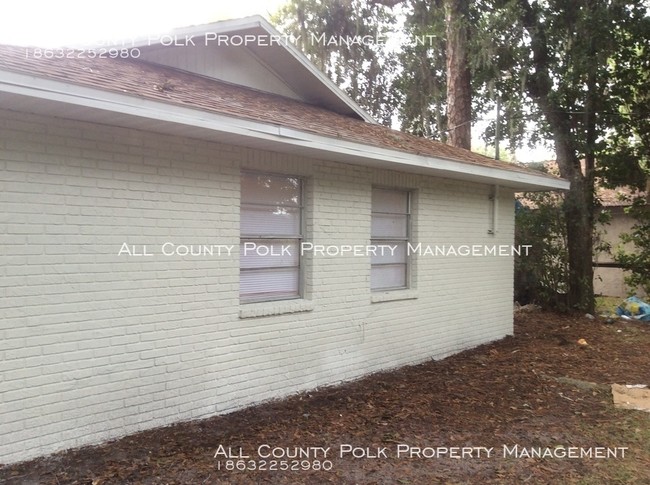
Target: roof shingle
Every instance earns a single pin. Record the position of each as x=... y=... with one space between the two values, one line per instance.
x=169 y=85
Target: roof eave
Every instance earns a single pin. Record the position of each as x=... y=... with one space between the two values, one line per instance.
x=93 y=105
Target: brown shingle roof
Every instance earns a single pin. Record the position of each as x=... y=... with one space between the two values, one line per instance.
x=617 y=197
x=169 y=85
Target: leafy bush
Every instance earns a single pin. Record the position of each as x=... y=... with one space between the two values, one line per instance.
x=542 y=276
x=637 y=263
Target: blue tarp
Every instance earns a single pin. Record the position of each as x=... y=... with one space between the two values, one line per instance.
x=635 y=308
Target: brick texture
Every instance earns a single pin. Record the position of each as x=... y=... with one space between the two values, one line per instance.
x=95 y=345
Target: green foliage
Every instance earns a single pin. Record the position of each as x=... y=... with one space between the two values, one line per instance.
x=564 y=64
x=496 y=44
x=542 y=276
x=347 y=40
x=637 y=261
x=422 y=83
x=574 y=73
x=625 y=159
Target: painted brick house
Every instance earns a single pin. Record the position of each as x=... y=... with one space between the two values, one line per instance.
x=139 y=195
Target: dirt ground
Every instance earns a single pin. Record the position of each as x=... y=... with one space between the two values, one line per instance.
x=477 y=417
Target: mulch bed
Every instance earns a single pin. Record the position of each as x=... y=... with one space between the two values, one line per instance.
x=524 y=392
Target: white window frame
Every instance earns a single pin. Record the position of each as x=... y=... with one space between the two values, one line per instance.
x=275 y=240
x=377 y=240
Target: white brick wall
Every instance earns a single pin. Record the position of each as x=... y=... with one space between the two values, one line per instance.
x=94 y=345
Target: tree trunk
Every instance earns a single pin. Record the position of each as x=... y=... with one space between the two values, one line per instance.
x=578 y=202
x=578 y=206
x=580 y=228
x=459 y=88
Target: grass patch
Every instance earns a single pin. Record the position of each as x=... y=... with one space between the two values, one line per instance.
x=607 y=304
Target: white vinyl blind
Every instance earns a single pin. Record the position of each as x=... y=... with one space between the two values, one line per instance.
x=390 y=221
x=270 y=235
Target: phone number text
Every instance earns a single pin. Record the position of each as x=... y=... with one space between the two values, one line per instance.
x=100 y=53
x=274 y=465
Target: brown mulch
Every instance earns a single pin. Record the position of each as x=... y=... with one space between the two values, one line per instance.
x=530 y=391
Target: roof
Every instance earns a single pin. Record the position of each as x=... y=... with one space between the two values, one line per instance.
x=621 y=196
x=134 y=79
x=257 y=36
x=618 y=197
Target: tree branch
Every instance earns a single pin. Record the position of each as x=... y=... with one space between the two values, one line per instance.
x=540 y=87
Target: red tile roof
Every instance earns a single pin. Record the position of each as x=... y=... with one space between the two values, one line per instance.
x=169 y=85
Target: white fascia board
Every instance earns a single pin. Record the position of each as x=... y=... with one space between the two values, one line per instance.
x=346 y=151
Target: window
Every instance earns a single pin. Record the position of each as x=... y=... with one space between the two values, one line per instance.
x=270 y=236
x=390 y=234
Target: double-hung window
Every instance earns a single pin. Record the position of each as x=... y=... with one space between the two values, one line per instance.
x=390 y=229
x=270 y=236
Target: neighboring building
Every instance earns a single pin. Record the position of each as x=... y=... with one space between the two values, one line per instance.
x=608 y=274
x=112 y=168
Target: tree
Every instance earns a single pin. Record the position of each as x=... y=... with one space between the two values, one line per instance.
x=423 y=65
x=346 y=40
x=626 y=159
x=459 y=86
x=542 y=275
x=560 y=54
x=422 y=84
x=366 y=72
x=628 y=154
x=637 y=261
x=577 y=68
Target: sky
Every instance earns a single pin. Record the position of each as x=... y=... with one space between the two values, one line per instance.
x=54 y=23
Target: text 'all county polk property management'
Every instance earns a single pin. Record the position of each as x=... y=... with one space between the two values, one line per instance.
x=355 y=250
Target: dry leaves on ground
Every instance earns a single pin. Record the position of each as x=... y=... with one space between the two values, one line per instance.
x=538 y=390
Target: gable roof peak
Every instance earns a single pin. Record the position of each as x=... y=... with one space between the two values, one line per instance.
x=255 y=37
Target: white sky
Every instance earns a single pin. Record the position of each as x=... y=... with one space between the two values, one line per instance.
x=51 y=23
